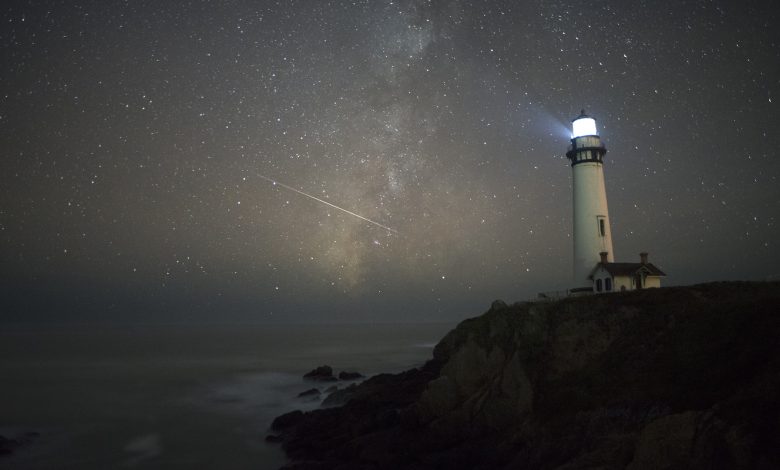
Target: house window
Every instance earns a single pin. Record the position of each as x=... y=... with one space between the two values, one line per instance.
x=602 y=226
x=608 y=284
x=598 y=285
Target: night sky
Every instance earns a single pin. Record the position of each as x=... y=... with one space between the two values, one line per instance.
x=140 y=140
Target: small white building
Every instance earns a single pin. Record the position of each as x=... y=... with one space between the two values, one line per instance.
x=611 y=277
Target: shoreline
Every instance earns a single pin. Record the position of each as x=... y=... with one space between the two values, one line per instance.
x=645 y=379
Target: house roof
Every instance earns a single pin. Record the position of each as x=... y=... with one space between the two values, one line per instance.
x=629 y=269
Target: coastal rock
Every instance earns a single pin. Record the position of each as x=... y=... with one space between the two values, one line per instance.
x=350 y=375
x=312 y=392
x=286 y=420
x=321 y=374
x=7 y=445
x=10 y=444
x=667 y=442
x=339 y=397
x=683 y=377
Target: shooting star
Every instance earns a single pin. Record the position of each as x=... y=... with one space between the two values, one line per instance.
x=274 y=182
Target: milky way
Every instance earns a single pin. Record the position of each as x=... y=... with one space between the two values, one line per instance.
x=135 y=136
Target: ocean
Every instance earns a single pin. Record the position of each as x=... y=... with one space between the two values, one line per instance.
x=176 y=396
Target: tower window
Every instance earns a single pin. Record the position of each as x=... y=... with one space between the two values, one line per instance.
x=608 y=284
x=602 y=227
x=598 y=285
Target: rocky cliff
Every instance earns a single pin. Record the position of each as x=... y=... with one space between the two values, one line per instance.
x=685 y=377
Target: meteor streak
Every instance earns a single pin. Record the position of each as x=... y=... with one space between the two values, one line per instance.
x=274 y=182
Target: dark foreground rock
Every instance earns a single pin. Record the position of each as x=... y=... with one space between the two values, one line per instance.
x=671 y=378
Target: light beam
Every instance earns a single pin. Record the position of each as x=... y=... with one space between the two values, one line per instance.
x=274 y=182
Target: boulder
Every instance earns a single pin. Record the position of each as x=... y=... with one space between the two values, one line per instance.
x=321 y=374
x=343 y=375
x=10 y=444
x=7 y=445
x=312 y=392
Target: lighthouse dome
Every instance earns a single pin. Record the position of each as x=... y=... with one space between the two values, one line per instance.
x=583 y=125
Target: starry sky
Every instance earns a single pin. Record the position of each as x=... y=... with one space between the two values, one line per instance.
x=140 y=141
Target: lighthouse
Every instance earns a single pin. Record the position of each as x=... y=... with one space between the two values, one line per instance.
x=592 y=235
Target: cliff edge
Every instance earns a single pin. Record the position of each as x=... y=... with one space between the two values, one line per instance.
x=684 y=377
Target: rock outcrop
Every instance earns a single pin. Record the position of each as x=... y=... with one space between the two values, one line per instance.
x=344 y=375
x=685 y=377
x=321 y=374
x=312 y=392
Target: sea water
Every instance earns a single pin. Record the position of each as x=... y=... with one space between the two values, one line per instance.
x=177 y=396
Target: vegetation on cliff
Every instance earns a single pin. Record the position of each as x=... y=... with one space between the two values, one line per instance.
x=684 y=377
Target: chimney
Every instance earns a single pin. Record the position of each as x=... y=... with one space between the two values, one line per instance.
x=643 y=257
x=603 y=257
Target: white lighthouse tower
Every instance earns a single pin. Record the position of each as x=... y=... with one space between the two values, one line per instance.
x=592 y=234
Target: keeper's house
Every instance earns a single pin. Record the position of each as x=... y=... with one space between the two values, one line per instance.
x=611 y=277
